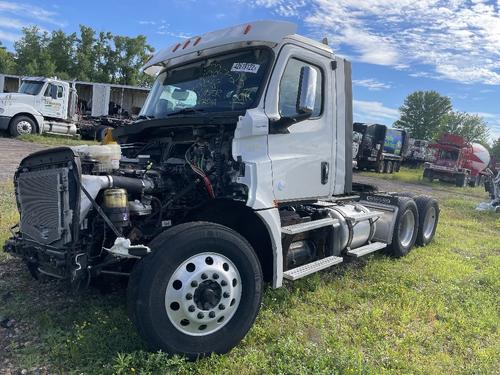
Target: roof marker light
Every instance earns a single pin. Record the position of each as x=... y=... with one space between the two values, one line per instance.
x=176 y=47
x=247 y=29
x=197 y=41
x=186 y=44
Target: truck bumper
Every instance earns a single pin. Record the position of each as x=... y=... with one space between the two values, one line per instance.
x=4 y=122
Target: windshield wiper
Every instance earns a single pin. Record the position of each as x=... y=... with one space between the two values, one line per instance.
x=144 y=117
x=185 y=111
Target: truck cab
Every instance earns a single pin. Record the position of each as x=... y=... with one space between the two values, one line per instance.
x=40 y=105
x=239 y=172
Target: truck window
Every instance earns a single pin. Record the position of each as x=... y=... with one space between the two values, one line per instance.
x=289 y=88
x=47 y=90
x=227 y=82
x=31 y=87
x=60 y=91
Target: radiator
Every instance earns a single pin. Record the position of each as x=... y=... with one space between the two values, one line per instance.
x=43 y=200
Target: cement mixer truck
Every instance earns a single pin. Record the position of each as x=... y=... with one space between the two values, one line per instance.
x=457 y=161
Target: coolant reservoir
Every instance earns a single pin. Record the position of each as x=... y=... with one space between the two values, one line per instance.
x=107 y=156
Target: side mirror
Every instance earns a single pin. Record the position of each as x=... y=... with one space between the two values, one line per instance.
x=307 y=90
x=53 y=92
x=306 y=96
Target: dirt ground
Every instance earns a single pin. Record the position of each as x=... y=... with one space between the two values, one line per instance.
x=12 y=151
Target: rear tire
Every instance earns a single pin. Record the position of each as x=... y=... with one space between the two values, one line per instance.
x=428 y=213
x=429 y=175
x=390 y=167
x=380 y=167
x=182 y=303
x=21 y=125
x=405 y=228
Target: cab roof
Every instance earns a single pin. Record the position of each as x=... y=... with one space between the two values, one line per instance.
x=259 y=31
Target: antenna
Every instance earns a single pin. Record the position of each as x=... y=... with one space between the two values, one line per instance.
x=325 y=40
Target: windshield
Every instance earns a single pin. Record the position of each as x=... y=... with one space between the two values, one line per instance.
x=31 y=87
x=227 y=82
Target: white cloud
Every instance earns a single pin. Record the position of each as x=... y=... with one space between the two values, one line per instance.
x=371 y=84
x=493 y=122
x=11 y=23
x=374 y=112
x=31 y=12
x=8 y=36
x=458 y=39
x=147 y=23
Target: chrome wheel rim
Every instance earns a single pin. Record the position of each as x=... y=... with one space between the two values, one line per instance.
x=429 y=222
x=24 y=127
x=407 y=228
x=203 y=294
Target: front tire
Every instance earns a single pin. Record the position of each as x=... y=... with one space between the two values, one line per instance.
x=21 y=125
x=198 y=293
x=460 y=180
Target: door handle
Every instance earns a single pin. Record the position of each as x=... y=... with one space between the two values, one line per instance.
x=325 y=169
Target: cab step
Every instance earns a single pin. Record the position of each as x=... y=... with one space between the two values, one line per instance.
x=309 y=268
x=309 y=225
x=367 y=249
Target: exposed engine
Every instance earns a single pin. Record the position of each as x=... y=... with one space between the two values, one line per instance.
x=75 y=203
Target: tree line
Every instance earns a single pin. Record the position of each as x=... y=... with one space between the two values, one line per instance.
x=85 y=56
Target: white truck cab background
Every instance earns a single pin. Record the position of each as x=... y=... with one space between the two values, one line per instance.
x=41 y=100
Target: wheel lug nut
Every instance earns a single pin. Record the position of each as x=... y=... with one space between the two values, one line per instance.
x=191 y=308
x=223 y=283
x=201 y=315
x=194 y=283
x=211 y=314
x=221 y=307
x=226 y=295
x=189 y=296
x=215 y=276
x=204 y=276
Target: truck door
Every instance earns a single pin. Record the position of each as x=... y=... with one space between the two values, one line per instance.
x=301 y=156
x=52 y=103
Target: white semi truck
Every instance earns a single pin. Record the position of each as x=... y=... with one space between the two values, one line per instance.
x=239 y=173
x=49 y=105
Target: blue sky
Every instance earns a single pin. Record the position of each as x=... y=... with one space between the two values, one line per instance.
x=396 y=46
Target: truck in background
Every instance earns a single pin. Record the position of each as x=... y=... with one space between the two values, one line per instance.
x=457 y=161
x=217 y=190
x=48 y=105
x=380 y=148
x=418 y=152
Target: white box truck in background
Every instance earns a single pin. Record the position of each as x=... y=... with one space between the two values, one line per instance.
x=49 y=105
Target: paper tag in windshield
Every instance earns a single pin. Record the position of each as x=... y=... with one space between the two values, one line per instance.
x=245 y=67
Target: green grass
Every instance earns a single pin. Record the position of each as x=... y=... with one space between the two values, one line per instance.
x=435 y=311
x=54 y=140
x=415 y=176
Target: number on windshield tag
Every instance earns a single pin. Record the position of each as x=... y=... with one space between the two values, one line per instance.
x=245 y=67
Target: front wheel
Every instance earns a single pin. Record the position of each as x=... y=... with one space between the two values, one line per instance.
x=460 y=180
x=21 y=125
x=198 y=293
